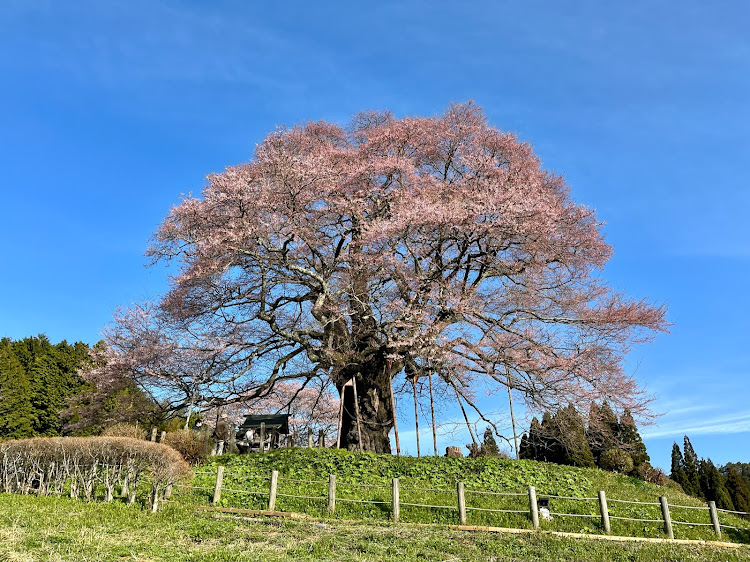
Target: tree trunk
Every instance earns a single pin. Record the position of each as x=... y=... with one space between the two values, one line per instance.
x=373 y=407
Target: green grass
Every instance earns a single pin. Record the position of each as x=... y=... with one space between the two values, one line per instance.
x=61 y=529
x=431 y=480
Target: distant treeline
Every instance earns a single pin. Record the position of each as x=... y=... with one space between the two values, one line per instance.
x=728 y=486
x=43 y=395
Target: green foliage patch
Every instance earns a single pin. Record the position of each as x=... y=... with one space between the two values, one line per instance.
x=367 y=477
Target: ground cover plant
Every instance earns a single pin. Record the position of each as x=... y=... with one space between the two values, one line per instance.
x=432 y=480
x=60 y=529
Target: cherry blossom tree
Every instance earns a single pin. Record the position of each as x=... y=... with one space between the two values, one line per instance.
x=395 y=246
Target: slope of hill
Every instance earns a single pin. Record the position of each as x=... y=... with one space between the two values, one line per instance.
x=65 y=530
x=490 y=483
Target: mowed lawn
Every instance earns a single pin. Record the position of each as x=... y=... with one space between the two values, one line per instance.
x=54 y=528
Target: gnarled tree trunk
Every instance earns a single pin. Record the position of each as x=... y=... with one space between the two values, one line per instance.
x=372 y=406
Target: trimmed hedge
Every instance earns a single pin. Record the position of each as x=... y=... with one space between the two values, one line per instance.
x=83 y=465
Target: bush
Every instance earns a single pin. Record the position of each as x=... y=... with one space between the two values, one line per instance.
x=616 y=460
x=47 y=465
x=648 y=473
x=194 y=446
x=125 y=430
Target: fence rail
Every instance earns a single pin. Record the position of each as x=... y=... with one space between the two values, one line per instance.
x=533 y=508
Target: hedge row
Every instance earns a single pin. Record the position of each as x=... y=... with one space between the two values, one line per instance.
x=81 y=465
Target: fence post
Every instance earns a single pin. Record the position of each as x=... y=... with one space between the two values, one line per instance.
x=309 y=438
x=533 y=507
x=321 y=439
x=604 y=512
x=461 y=503
x=217 y=488
x=262 y=437
x=331 y=493
x=272 y=491
x=162 y=436
x=714 y=518
x=395 y=501
x=665 y=514
x=153 y=434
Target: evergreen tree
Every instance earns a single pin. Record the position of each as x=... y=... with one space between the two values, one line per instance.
x=523 y=447
x=531 y=449
x=489 y=445
x=573 y=437
x=738 y=491
x=631 y=441
x=16 y=413
x=549 y=449
x=712 y=485
x=602 y=430
x=690 y=468
x=678 y=472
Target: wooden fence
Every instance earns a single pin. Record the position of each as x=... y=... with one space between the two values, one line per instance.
x=530 y=504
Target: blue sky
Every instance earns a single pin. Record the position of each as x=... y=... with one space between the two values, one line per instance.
x=109 y=110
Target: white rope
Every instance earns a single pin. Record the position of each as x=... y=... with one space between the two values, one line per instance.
x=496 y=493
x=430 y=506
x=497 y=510
x=635 y=519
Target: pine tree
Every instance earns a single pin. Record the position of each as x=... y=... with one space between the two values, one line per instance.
x=16 y=413
x=738 y=491
x=690 y=468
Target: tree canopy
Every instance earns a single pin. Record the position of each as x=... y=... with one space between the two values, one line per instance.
x=413 y=245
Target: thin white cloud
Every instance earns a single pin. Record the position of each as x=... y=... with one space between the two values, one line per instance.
x=736 y=423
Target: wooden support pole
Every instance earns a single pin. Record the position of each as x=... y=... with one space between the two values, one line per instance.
x=714 y=518
x=162 y=436
x=341 y=416
x=512 y=417
x=665 y=515
x=416 y=413
x=432 y=412
x=272 y=490
x=533 y=507
x=262 y=437
x=153 y=434
x=356 y=411
x=331 y=493
x=605 y=513
x=395 y=423
x=321 y=439
x=461 y=503
x=309 y=438
x=395 y=503
x=217 y=487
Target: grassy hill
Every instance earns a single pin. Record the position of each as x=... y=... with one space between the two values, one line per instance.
x=63 y=530
x=432 y=480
